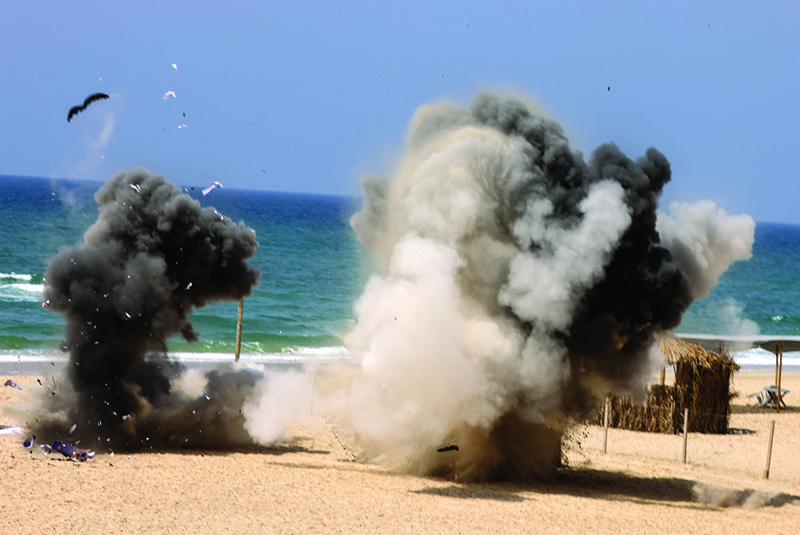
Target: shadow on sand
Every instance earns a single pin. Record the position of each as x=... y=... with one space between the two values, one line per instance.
x=750 y=409
x=597 y=484
x=276 y=450
x=477 y=492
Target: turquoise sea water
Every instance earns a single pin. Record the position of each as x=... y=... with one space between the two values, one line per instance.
x=760 y=296
x=757 y=296
x=313 y=270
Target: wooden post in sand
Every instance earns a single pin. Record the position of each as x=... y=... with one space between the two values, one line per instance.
x=605 y=425
x=239 y=329
x=685 y=431
x=769 y=449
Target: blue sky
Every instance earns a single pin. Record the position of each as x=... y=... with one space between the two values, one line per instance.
x=306 y=96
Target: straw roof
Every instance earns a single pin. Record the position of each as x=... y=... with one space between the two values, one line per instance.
x=677 y=349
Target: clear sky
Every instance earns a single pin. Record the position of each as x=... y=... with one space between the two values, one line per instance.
x=305 y=96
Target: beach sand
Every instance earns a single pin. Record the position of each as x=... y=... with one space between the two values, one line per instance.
x=312 y=484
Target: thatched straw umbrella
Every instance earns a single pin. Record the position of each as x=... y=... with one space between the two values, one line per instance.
x=702 y=384
x=677 y=349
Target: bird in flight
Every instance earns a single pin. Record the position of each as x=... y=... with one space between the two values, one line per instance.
x=91 y=98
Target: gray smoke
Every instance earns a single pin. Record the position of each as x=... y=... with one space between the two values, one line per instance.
x=520 y=282
x=150 y=259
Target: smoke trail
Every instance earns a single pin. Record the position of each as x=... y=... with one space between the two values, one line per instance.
x=96 y=127
x=152 y=256
x=520 y=282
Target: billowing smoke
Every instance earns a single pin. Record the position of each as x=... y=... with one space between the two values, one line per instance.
x=520 y=282
x=704 y=240
x=152 y=256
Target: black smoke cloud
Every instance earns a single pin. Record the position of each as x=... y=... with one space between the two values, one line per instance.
x=152 y=256
x=641 y=291
x=521 y=281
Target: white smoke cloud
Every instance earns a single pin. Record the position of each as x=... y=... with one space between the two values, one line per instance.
x=429 y=351
x=705 y=241
x=545 y=288
x=728 y=317
x=278 y=400
x=424 y=351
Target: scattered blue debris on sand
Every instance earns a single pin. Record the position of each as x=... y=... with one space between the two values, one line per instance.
x=70 y=451
x=12 y=384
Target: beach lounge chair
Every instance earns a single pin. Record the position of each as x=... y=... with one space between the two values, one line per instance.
x=768 y=397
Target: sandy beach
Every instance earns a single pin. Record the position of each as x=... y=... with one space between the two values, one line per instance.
x=314 y=484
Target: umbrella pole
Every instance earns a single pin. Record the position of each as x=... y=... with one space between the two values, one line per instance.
x=780 y=374
x=777 y=351
x=239 y=329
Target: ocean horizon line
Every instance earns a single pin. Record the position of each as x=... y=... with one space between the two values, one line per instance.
x=100 y=182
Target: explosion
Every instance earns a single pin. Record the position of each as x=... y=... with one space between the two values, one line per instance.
x=520 y=282
x=151 y=257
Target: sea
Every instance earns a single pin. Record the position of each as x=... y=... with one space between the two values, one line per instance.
x=313 y=270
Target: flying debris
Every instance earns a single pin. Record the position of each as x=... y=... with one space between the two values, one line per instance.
x=210 y=187
x=28 y=443
x=175 y=66
x=169 y=94
x=452 y=447
x=10 y=430
x=182 y=126
x=91 y=98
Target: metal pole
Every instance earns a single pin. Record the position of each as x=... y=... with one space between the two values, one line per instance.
x=777 y=350
x=685 y=431
x=769 y=449
x=780 y=376
x=239 y=329
x=605 y=426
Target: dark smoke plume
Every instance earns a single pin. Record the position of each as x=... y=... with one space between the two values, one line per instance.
x=152 y=256
x=521 y=283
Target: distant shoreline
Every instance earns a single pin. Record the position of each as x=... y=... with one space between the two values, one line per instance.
x=45 y=364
